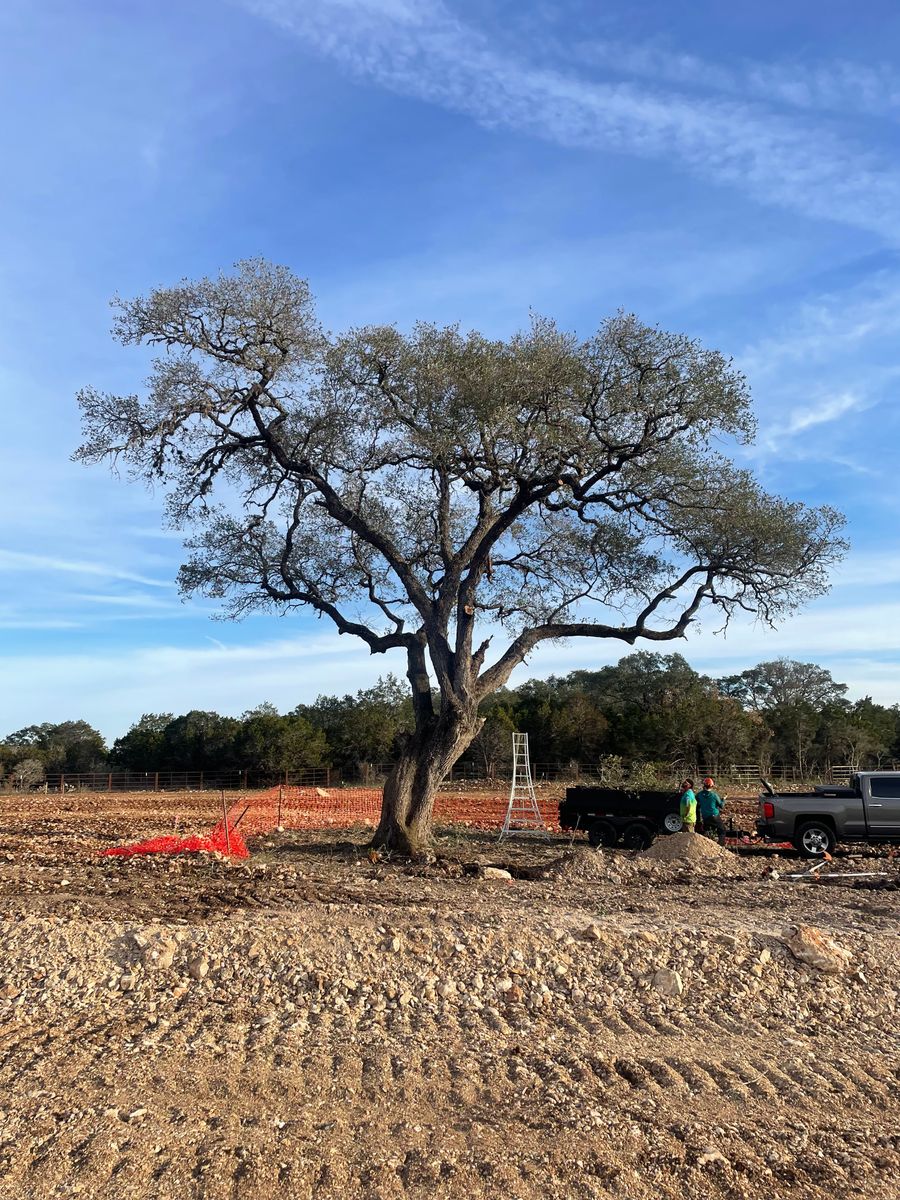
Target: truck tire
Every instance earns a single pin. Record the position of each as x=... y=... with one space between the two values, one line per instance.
x=813 y=839
x=672 y=823
x=602 y=833
x=637 y=836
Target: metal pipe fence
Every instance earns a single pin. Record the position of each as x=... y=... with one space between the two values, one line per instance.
x=177 y=781
x=468 y=774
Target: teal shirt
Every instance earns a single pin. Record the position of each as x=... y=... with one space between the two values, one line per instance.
x=688 y=806
x=711 y=803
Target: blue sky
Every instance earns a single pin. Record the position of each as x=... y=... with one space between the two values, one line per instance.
x=730 y=171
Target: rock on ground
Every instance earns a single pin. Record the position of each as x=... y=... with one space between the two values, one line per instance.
x=811 y=945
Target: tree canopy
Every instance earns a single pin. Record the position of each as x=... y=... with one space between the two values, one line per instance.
x=437 y=492
x=63 y=746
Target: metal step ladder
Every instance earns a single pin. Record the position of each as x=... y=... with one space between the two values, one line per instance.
x=523 y=814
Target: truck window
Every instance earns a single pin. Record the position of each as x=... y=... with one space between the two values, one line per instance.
x=885 y=786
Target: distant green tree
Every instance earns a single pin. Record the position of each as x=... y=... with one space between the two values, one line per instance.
x=782 y=683
x=793 y=698
x=370 y=727
x=491 y=750
x=269 y=742
x=71 y=746
x=578 y=729
x=143 y=747
x=656 y=707
x=652 y=703
x=535 y=705
x=731 y=735
x=865 y=733
x=201 y=741
x=9 y=756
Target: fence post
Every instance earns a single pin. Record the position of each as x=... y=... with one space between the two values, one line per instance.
x=225 y=822
x=280 y=801
x=62 y=783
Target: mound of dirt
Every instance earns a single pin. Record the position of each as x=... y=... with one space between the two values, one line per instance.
x=582 y=864
x=685 y=846
x=691 y=853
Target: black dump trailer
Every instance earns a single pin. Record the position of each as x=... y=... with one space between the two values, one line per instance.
x=619 y=816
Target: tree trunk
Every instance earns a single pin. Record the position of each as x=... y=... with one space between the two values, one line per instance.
x=409 y=790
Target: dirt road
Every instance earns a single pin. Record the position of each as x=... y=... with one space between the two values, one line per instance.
x=314 y=1023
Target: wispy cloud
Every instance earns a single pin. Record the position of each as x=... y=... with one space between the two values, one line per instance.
x=47 y=623
x=841 y=86
x=826 y=410
x=112 y=688
x=874 y=568
x=132 y=600
x=831 y=362
x=830 y=327
x=657 y=270
x=427 y=52
x=20 y=560
x=831 y=631
x=150 y=150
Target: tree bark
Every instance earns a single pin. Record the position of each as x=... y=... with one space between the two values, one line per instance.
x=409 y=791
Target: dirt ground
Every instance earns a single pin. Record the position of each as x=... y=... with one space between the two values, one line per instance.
x=314 y=1023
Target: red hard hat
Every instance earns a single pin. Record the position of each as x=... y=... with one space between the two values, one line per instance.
x=708 y=782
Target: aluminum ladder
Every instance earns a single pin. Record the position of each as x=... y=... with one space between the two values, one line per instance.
x=523 y=815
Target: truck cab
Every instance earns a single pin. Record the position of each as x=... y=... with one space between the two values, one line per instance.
x=881 y=797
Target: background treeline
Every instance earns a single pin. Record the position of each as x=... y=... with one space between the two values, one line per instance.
x=648 y=712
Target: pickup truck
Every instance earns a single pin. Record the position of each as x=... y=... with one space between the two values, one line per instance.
x=866 y=810
x=626 y=817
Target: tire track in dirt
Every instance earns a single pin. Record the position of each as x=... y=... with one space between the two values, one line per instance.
x=599 y=1058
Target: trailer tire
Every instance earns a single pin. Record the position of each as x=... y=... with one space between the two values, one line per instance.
x=813 y=839
x=602 y=833
x=673 y=822
x=637 y=836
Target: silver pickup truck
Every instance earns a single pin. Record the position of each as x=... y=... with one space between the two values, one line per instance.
x=866 y=810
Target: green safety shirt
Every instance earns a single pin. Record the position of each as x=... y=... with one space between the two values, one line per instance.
x=688 y=806
x=711 y=803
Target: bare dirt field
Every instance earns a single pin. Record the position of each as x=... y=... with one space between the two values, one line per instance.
x=313 y=1023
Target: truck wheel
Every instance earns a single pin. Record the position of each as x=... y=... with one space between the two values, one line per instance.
x=602 y=833
x=813 y=839
x=673 y=823
x=637 y=836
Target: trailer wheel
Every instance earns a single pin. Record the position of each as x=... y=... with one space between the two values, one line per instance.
x=637 y=836
x=813 y=839
x=602 y=833
x=673 y=822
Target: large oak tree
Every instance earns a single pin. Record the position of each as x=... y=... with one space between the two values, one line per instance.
x=454 y=497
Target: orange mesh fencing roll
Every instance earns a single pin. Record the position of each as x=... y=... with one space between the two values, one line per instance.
x=218 y=841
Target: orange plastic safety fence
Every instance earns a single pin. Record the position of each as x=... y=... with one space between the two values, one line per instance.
x=306 y=808
x=321 y=808
x=231 y=843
